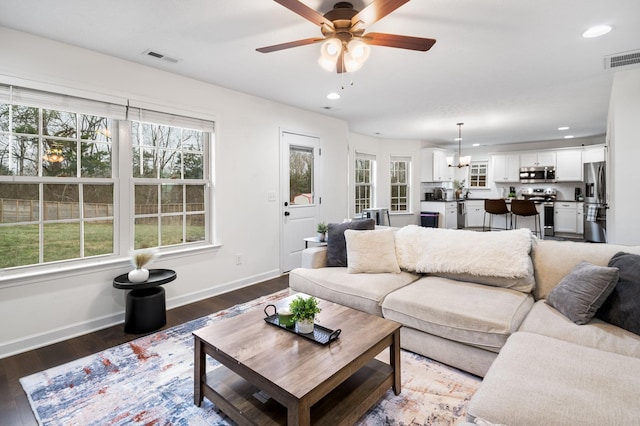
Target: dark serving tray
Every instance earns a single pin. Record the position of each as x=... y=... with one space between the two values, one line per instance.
x=320 y=334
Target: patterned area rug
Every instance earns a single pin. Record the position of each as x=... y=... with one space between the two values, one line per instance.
x=150 y=381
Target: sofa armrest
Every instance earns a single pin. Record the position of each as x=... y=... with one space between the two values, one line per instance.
x=314 y=257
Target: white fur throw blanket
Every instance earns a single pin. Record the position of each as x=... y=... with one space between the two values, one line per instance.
x=503 y=254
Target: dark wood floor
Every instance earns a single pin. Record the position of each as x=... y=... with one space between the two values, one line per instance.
x=14 y=406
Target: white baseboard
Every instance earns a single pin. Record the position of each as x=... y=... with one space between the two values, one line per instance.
x=185 y=299
x=36 y=341
x=39 y=340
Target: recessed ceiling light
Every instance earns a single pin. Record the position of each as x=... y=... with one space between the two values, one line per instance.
x=476 y=144
x=569 y=137
x=597 y=31
x=563 y=128
x=333 y=96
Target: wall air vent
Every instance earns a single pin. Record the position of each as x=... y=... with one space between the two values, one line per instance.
x=161 y=56
x=623 y=59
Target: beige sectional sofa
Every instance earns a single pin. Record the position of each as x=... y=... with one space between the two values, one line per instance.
x=476 y=301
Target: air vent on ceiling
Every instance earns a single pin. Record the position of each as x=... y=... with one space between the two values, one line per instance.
x=162 y=56
x=623 y=59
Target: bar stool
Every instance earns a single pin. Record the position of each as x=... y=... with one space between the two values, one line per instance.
x=526 y=208
x=495 y=207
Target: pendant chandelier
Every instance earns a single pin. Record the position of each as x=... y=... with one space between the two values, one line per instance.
x=457 y=160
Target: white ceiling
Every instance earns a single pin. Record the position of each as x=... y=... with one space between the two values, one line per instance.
x=511 y=70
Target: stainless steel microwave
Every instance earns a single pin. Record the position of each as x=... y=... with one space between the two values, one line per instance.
x=537 y=174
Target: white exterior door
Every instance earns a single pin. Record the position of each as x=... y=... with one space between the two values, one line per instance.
x=299 y=195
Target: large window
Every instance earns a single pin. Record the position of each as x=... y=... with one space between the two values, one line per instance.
x=400 y=176
x=364 y=178
x=60 y=192
x=168 y=170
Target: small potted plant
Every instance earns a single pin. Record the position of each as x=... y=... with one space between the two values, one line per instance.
x=304 y=311
x=322 y=231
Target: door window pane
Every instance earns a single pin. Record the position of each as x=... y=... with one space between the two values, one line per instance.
x=300 y=175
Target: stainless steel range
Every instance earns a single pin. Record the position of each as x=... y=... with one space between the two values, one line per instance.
x=546 y=197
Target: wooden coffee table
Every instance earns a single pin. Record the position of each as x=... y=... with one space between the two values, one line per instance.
x=271 y=376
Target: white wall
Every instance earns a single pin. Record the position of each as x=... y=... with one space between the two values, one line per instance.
x=624 y=139
x=37 y=310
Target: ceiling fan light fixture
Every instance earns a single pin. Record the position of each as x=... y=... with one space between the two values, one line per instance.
x=54 y=154
x=355 y=55
x=331 y=49
x=327 y=64
x=329 y=54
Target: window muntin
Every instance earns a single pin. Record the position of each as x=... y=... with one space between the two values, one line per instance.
x=399 y=171
x=364 y=178
x=478 y=174
x=168 y=167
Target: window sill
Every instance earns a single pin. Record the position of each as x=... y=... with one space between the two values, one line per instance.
x=36 y=274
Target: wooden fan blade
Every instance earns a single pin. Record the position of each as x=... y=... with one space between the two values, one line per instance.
x=376 y=11
x=289 y=45
x=400 y=41
x=305 y=11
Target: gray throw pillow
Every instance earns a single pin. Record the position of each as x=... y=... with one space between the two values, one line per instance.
x=582 y=291
x=622 y=307
x=337 y=245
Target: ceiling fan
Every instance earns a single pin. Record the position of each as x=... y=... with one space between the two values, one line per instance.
x=346 y=46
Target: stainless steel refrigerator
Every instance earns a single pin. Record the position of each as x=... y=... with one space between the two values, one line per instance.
x=595 y=202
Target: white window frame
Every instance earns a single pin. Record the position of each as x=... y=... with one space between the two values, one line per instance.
x=475 y=174
x=121 y=174
x=358 y=186
x=394 y=159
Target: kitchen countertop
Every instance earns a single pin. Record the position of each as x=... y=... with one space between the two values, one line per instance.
x=506 y=200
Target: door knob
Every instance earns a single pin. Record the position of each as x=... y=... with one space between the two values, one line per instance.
x=287 y=213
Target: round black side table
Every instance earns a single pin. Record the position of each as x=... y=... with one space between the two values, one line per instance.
x=146 y=309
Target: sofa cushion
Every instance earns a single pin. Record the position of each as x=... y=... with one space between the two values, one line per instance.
x=468 y=313
x=552 y=260
x=364 y=292
x=539 y=380
x=546 y=320
x=581 y=293
x=337 y=245
x=501 y=259
x=622 y=307
x=371 y=251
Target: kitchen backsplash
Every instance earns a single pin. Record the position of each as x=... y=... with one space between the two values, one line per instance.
x=565 y=191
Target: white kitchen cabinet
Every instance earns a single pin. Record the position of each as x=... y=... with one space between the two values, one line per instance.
x=451 y=215
x=538 y=159
x=593 y=154
x=434 y=166
x=569 y=165
x=506 y=168
x=448 y=212
x=565 y=217
x=475 y=213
